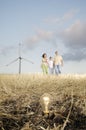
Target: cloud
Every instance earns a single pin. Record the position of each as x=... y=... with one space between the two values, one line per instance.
x=77 y=55
x=69 y=15
x=75 y=35
x=74 y=38
x=45 y=35
x=31 y=42
x=41 y=35
x=7 y=49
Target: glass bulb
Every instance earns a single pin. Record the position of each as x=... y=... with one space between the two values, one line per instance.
x=45 y=102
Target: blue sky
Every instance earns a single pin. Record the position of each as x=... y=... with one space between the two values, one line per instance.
x=43 y=26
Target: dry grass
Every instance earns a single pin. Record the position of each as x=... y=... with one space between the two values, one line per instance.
x=34 y=85
x=37 y=84
x=28 y=88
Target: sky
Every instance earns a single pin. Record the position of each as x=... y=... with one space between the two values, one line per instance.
x=42 y=26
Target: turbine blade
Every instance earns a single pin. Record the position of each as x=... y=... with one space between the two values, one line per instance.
x=11 y=62
x=28 y=60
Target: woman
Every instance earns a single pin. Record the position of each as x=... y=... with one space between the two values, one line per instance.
x=44 y=64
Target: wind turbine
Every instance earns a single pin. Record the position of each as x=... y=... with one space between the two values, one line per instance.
x=20 y=59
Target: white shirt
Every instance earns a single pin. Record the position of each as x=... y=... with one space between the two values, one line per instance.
x=50 y=62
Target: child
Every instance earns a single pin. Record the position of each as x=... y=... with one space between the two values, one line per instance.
x=51 y=67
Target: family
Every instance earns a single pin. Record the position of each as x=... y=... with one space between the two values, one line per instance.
x=52 y=64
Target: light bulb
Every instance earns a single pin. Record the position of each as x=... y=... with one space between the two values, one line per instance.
x=45 y=102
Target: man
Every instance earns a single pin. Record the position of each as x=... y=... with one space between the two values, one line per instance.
x=58 y=61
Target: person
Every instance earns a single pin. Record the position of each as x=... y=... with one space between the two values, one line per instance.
x=50 y=62
x=58 y=61
x=44 y=64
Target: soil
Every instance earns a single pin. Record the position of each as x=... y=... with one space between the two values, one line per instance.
x=63 y=114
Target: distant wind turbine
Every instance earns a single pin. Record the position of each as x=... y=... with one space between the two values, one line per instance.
x=20 y=60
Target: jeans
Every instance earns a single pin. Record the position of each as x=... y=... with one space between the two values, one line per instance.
x=57 y=69
x=51 y=70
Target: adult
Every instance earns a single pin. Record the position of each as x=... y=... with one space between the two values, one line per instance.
x=58 y=61
x=44 y=64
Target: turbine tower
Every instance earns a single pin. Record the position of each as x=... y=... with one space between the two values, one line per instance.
x=20 y=60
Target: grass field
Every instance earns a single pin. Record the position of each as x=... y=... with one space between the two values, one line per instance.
x=37 y=84
x=27 y=88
